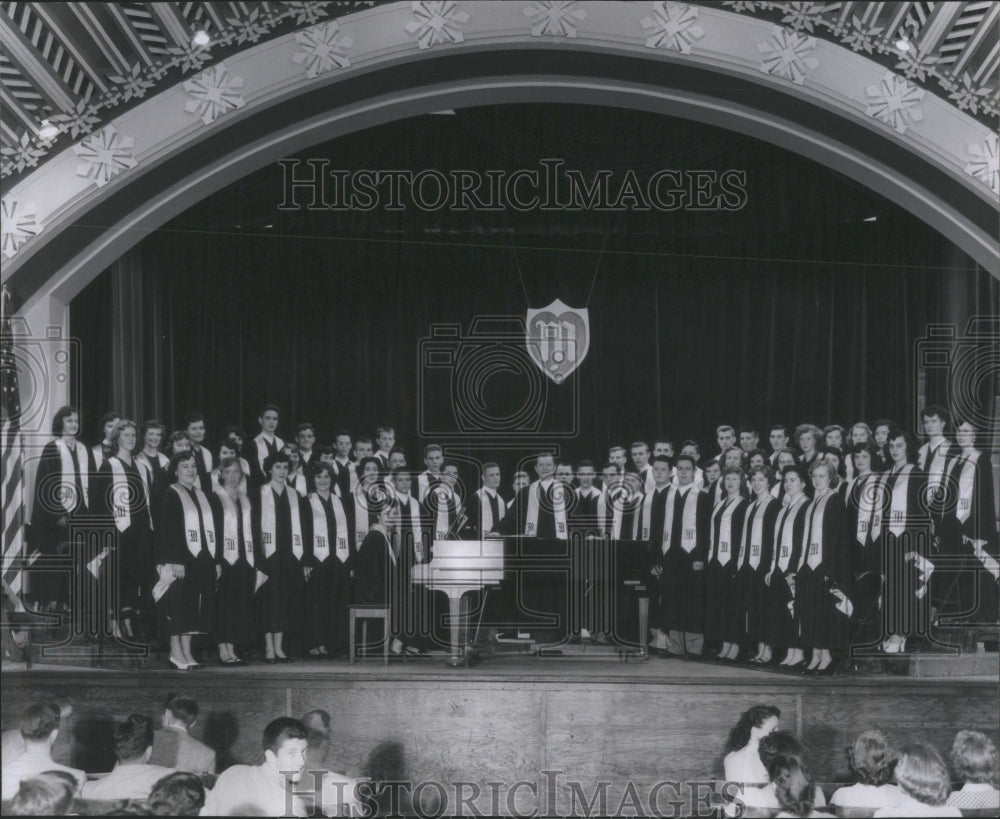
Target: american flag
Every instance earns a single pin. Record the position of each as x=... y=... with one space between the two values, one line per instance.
x=12 y=457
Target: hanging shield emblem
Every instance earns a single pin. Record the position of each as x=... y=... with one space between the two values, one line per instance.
x=558 y=338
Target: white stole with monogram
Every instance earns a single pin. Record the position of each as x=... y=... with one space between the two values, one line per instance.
x=230 y=529
x=268 y=527
x=558 y=510
x=69 y=467
x=192 y=528
x=321 y=532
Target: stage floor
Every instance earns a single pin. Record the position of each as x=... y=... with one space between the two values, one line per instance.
x=526 y=669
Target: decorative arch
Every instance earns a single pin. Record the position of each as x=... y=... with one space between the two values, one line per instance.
x=84 y=206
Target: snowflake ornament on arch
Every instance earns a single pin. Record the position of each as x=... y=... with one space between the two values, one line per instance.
x=788 y=54
x=17 y=226
x=105 y=154
x=895 y=102
x=672 y=26
x=554 y=18
x=215 y=92
x=436 y=21
x=985 y=165
x=322 y=48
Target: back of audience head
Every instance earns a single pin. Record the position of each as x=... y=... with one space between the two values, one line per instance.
x=922 y=774
x=39 y=722
x=317 y=724
x=182 y=709
x=974 y=758
x=47 y=794
x=177 y=794
x=757 y=721
x=778 y=743
x=793 y=787
x=133 y=739
x=871 y=759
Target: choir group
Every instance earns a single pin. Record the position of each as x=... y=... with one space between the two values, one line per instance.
x=784 y=555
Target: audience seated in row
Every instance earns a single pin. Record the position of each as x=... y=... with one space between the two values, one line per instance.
x=132 y=777
x=174 y=747
x=38 y=729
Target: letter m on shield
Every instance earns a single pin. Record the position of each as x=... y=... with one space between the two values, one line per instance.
x=558 y=338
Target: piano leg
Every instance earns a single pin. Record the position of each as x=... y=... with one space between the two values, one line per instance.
x=644 y=627
x=455 y=606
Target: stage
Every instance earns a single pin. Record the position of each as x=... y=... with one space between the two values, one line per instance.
x=561 y=726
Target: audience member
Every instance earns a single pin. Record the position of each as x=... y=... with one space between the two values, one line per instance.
x=177 y=794
x=793 y=788
x=38 y=728
x=264 y=790
x=12 y=743
x=923 y=779
x=974 y=758
x=47 y=794
x=337 y=790
x=872 y=762
x=775 y=744
x=132 y=777
x=742 y=762
x=173 y=747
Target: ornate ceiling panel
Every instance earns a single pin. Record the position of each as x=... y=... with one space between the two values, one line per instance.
x=66 y=69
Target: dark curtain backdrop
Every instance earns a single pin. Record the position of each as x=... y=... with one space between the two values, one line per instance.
x=331 y=331
x=791 y=309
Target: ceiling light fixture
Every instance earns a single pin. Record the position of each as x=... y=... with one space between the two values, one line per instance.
x=903 y=43
x=48 y=130
x=201 y=38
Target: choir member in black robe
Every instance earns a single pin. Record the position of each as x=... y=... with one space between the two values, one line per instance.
x=328 y=593
x=975 y=516
x=121 y=494
x=345 y=477
x=99 y=452
x=722 y=601
x=860 y=434
x=234 y=556
x=880 y=435
x=266 y=443
x=685 y=551
x=155 y=461
x=652 y=518
x=366 y=498
x=185 y=561
x=534 y=513
x=755 y=558
x=586 y=493
x=782 y=620
x=305 y=440
x=177 y=442
x=194 y=426
x=486 y=508
x=416 y=608
x=442 y=505
x=297 y=478
x=61 y=497
x=808 y=438
x=785 y=459
x=376 y=570
x=905 y=543
x=282 y=536
x=936 y=460
x=822 y=585
x=863 y=502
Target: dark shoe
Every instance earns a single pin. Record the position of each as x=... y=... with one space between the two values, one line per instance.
x=270 y=660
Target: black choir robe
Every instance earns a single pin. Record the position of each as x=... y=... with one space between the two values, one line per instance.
x=376 y=573
x=280 y=601
x=415 y=609
x=188 y=606
x=343 y=472
x=723 y=614
x=682 y=584
x=973 y=514
x=131 y=560
x=328 y=590
x=234 y=591
x=51 y=522
x=751 y=585
x=251 y=454
x=825 y=565
x=474 y=512
x=782 y=626
x=904 y=609
x=203 y=460
x=865 y=558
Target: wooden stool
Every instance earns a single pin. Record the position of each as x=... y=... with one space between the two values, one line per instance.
x=364 y=614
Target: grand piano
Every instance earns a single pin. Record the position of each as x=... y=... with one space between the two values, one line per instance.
x=544 y=588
